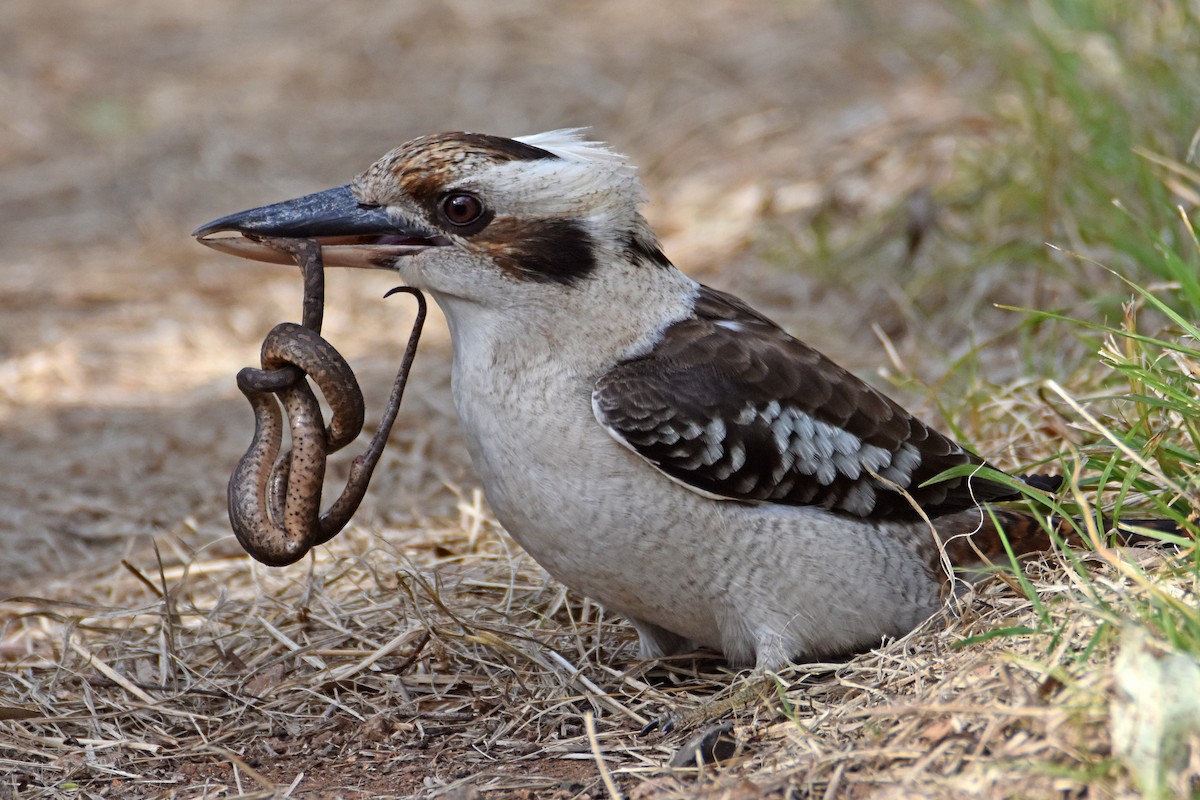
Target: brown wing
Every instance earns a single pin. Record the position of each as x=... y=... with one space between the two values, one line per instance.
x=730 y=405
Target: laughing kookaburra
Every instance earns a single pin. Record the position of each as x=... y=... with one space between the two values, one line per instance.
x=653 y=443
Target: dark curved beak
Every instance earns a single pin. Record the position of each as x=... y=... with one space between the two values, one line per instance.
x=351 y=234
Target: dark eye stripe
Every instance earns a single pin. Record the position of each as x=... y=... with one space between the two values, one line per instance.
x=544 y=250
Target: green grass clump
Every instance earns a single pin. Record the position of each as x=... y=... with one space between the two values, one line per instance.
x=1090 y=91
x=1084 y=187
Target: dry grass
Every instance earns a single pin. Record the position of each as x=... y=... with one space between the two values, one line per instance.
x=444 y=662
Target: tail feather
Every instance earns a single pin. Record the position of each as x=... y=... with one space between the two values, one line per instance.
x=983 y=542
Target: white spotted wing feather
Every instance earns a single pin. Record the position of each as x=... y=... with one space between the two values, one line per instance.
x=731 y=406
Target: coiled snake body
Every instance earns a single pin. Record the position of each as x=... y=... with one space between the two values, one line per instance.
x=274 y=500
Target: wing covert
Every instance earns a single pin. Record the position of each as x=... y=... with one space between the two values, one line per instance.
x=730 y=405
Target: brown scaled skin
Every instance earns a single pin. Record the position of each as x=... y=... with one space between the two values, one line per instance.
x=274 y=502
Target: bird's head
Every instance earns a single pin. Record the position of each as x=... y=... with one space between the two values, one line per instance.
x=469 y=217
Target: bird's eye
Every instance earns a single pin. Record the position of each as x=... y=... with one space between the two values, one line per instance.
x=462 y=209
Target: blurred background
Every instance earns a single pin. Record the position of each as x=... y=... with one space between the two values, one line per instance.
x=869 y=173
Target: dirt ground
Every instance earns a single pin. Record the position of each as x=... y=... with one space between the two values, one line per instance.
x=124 y=125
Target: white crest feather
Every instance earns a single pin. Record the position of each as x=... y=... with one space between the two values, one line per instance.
x=587 y=180
x=571 y=144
